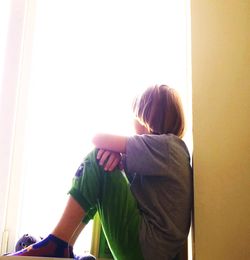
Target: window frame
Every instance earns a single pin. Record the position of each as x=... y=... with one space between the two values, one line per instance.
x=12 y=115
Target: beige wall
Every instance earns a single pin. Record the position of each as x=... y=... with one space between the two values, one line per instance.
x=221 y=127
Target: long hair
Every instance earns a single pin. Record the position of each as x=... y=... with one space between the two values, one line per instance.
x=160 y=110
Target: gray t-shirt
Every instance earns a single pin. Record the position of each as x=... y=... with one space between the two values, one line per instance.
x=158 y=167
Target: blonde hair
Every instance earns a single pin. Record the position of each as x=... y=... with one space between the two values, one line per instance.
x=160 y=110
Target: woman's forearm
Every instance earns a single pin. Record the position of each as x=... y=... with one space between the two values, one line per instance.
x=110 y=142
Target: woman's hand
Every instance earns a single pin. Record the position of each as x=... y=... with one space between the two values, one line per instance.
x=108 y=159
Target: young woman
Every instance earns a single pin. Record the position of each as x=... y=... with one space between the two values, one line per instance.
x=145 y=208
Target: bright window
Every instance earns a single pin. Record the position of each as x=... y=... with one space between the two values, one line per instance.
x=89 y=58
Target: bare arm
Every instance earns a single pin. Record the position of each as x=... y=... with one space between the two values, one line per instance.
x=110 y=142
x=110 y=147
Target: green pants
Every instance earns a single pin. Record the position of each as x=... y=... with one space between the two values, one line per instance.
x=109 y=194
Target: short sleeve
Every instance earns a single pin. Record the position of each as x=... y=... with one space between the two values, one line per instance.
x=147 y=155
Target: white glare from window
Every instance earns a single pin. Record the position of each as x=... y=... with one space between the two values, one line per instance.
x=89 y=59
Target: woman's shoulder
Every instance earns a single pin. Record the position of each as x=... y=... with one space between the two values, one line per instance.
x=160 y=142
x=169 y=138
x=170 y=142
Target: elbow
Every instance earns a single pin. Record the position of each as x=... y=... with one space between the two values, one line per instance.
x=96 y=140
x=100 y=141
